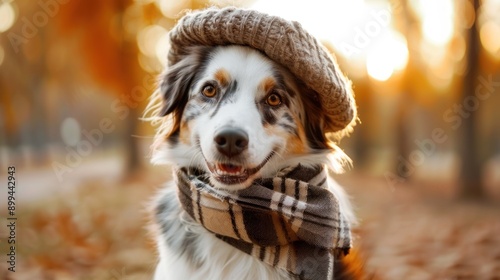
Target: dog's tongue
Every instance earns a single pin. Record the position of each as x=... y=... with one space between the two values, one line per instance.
x=230 y=168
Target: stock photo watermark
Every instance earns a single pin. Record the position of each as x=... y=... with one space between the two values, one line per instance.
x=379 y=21
x=31 y=26
x=364 y=36
x=11 y=219
x=454 y=117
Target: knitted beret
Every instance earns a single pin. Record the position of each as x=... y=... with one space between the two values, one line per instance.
x=282 y=41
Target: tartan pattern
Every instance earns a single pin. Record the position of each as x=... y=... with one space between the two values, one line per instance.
x=291 y=221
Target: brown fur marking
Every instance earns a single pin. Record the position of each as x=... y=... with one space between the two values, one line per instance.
x=223 y=77
x=267 y=84
x=350 y=267
x=185 y=133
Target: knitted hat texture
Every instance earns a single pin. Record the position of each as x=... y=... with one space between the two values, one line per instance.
x=283 y=41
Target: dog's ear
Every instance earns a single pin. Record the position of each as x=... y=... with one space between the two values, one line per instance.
x=176 y=83
x=178 y=79
x=315 y=120
x=174 y=88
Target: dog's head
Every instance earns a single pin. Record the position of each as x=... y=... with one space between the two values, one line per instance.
x=233 y=112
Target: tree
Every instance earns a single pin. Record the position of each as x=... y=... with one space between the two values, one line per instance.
x=403 y=149
x=110 y=57
x=471 y=185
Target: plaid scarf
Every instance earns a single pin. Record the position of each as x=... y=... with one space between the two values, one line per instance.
x=291 y=221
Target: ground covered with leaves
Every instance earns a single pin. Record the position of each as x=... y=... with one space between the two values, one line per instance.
x=100 y=231
x=414 y=231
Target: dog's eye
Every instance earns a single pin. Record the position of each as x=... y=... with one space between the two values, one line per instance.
x=209 y=91
x=273 y=99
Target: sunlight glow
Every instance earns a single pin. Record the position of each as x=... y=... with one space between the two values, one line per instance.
x=153 y=44
x=432 y=55
x=7 y=16
x=148 y=38
x=458 y=48
x=172 y=9
x=359 y=30
x=334 y=23
x=489 y=27
x=490 y=38
x=437 y=20
x=133 y=20
x=378 y=68
x=162 y=47
x=441 y=75
x=388 y=55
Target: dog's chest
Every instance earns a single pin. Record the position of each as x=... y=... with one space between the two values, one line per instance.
x=188 y=251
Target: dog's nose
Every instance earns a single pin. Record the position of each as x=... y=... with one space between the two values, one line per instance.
x=231 y=141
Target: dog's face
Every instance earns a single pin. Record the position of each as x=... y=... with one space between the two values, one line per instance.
x=238 y=115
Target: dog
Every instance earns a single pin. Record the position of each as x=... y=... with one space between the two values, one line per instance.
x=237 y=116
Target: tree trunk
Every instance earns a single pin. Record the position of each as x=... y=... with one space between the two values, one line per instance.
x=406 y=99
x=133 y=161
x=471 y=185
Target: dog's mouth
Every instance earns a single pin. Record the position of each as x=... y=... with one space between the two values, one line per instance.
x=228 y=173
x=231 y=173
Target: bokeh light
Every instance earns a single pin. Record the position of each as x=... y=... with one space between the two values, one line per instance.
x=153 y=45
x=389 y=54
x=490 y=37
x=172 y=9
x=458 y=48
x=335 y=24
x=378 y=68
x=162 y=47
x=361 y=31
x=148 y=38
x=7 y=16
x=70 y=131
x=437 y=20
x=133 y=20
x=489 y=27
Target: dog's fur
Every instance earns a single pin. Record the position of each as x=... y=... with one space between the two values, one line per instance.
x=237 y=88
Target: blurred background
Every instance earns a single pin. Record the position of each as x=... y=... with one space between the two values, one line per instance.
x=76 y=75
